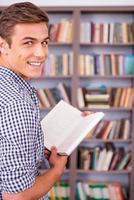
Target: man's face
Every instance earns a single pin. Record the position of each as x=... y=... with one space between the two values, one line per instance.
x=29 y=50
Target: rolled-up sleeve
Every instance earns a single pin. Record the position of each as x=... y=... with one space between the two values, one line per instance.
x=17 y=146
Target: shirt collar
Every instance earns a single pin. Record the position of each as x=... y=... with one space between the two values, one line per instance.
x=6 y=72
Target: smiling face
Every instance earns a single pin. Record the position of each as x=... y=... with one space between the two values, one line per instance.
x=28 y=51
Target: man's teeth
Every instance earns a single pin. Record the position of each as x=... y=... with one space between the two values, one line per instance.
x=35 y=63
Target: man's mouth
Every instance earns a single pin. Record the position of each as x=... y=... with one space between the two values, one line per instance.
x=35 y=64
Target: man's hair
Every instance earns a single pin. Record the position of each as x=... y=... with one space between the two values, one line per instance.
x=17 y=13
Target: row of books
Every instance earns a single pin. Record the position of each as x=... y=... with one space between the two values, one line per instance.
x=109 y=97
x=49 y=97
x=61 y=32
x=60 y=191
x=93 y=98
x=109 y=130
x=100 y=191
x=106 y=64
x=89 y=190
x=107 y=32
x=59 y=65
x=93 y=158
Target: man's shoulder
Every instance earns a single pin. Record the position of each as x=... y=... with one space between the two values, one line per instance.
x=9 y=92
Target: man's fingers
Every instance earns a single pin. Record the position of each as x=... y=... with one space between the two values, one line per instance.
x=54 y=150
x=85 y=113
x=47 y=152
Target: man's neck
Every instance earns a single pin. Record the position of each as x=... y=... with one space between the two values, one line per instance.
x=2 y=62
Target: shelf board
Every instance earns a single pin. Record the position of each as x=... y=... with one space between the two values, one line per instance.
x=59 y=10
x=81 y=171
x=107 y=9
x=45 y=109
x=54 y=77
x=44 y=170
x=107 y=140
x=111 y=109
x=107 y=77
x=106 y=44
x=60 y=44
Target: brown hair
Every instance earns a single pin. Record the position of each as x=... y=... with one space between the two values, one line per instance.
x=25 y=12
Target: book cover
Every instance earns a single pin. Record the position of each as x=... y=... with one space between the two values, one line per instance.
x=110 y=152
x=65 y=127
x=118 y=155
x=102 y=157
x=129 y=64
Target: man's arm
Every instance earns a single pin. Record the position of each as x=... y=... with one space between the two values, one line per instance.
x=43 y=183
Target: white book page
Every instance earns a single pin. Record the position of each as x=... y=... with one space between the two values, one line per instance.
x=59 y=122
x=64 y=127
x=79 y=132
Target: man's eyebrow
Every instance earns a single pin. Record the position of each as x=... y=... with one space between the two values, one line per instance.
x=31 y=38
x=47 y=38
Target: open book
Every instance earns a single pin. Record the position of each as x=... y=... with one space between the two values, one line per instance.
x=65 y=127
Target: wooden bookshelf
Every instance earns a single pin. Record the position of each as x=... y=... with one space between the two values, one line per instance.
x=76 y=15
x=92 y=14
x=75 y=80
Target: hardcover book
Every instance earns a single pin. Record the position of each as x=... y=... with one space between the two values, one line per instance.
x=65 y=127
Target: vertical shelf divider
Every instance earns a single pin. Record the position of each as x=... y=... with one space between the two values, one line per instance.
x=76 y=35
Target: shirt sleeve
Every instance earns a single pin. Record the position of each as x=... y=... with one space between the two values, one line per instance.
x=18 y=124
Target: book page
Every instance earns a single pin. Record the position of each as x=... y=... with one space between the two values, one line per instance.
x=79 y=132
x=59 y=122
x=63 y=125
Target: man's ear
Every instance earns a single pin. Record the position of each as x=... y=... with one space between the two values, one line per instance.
x=3 y=45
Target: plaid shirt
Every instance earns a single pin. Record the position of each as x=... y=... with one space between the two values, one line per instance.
x=21 y=138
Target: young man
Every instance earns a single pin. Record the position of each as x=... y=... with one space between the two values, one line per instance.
x=23 y=51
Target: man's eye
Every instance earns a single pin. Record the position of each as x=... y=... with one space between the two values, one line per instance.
x=45 y=43
x=28 y=43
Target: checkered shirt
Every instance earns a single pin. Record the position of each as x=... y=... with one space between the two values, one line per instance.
x=21 y=138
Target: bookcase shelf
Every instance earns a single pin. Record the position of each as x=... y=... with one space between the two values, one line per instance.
x=95 y=16
x=66 y=171
x=107 y=140
x=98 y=14
x=77 y=15
x=45 y=78
x=56 y=77
x=108 y=77
x=107 y=44
x=111 y=109
x=60 y=44
x=113 y=172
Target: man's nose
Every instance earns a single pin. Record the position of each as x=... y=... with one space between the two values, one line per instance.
x=40 y=51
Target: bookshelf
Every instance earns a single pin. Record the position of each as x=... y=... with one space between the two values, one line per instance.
x=77 y=15
x=92 y=50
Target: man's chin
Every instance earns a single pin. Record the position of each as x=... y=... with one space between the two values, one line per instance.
x=32 y=76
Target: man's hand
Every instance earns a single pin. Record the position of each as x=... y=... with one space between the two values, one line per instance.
x=47 y=154
x=58 y=162
x=55 y=160
x=85 y=113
